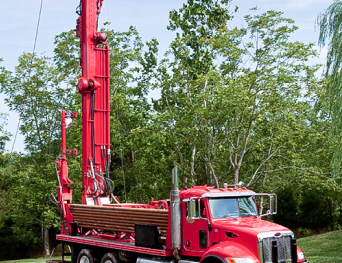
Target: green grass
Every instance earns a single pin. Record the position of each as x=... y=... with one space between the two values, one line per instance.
x=322 y=248
x=38 y=260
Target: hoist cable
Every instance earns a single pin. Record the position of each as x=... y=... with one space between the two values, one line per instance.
x=22 y=105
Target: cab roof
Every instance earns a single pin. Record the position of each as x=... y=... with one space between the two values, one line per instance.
x=211 y=191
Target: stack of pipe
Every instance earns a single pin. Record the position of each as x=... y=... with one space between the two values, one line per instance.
x=122 y=219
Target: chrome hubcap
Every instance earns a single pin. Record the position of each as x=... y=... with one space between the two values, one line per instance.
x=85 y=259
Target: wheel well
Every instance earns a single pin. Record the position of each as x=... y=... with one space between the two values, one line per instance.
x=212 y=259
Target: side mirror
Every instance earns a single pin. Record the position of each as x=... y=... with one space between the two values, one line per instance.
x=192 y=209
x=272 y=204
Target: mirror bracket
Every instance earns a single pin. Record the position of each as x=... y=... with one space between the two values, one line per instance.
x=273 y=204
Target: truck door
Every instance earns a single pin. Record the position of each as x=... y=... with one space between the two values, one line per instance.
x=195 y=230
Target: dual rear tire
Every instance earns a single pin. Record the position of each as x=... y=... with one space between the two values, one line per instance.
x=88 y=256
x=109 y=258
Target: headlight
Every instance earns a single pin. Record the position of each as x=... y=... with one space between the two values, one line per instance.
x=300 y=255
x=240 y=260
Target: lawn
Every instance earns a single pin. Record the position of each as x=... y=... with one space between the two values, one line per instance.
x=322 y=248
x=38 y=260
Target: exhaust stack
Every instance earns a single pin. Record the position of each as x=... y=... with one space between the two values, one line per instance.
x=175 y=213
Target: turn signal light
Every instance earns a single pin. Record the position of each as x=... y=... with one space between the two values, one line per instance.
x=240 y=260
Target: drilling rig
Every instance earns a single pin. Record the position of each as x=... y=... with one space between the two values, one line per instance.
x=197 y=224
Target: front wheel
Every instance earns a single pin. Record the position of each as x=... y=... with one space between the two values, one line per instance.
x=109 y=258
x=86 y=256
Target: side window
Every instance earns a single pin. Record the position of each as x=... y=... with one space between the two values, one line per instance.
x=200 y=209
x=203 y=212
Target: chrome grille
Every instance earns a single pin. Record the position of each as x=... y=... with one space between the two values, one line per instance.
x=284 y=248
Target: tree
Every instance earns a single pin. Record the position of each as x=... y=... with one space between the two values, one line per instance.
x=330 y=25
x=236 y=103
x=140 y=167
x=4 y=135
x=36 y=92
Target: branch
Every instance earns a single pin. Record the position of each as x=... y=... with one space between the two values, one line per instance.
x=289 y=167
x=288 y=182
x=193 y=152
x=256 y=172
x=181 y=135
x=213 y=173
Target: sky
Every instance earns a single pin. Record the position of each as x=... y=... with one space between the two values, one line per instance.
x=19 y=20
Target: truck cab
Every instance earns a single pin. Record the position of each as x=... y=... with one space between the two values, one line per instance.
x=223 y=225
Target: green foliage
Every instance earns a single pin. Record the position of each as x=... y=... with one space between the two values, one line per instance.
x=314 y=218
x=3 y=74
x=139 y=167
x=36 y=91
x=240 y=106
x=330 y=24
x=288 y=208
x=4 y=135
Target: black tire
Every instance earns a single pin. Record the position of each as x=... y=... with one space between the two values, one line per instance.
x=110 y=258
x=86 y=256
x=212 y=259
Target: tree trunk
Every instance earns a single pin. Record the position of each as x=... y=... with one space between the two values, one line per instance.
x=46 y=242
x=133 y=156
x=193 y=152
x=236 y=175
x=207 y=172
x=262 y=190
x=212 y=174
x=331 y=213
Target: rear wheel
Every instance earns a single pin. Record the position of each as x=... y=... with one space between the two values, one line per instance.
x=110 y=258
x=86 y=256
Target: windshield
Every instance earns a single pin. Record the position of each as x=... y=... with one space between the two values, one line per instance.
x=232 y=207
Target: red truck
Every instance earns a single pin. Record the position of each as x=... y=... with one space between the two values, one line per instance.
x=197 y=224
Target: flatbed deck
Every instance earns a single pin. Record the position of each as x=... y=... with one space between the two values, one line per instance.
x=115 y=245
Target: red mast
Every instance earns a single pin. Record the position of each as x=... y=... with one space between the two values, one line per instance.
x=94 y=88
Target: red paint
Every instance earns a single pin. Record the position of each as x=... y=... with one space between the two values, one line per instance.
x=64 y=190
x=200 y=190
x=191 y=234
x=231 y=249
x=115 y=245
x=95 y=91
x=298 y=251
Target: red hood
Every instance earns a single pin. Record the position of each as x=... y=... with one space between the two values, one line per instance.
x=250 y=225
x=246 y=229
